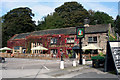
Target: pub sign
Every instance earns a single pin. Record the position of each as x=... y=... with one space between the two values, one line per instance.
x=80 y=32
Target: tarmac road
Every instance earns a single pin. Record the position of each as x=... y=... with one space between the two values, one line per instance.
x=19 y=63
x=35 y=68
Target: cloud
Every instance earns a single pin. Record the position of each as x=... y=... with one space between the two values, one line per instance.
x=41 y=11
x=59 y=0
x=96 y=6
x=98 y=0
x=37 y=8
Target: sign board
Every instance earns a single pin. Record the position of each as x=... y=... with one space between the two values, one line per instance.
x=80 y=32
x=115 y=49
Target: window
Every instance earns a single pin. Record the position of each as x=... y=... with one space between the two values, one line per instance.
x=95 y=39
x=54 y=51
x=89 y=39
x=36 y=44
x=70 y=40
x=17 y=47
x=53 y=41
x=95 y=51
x=92 y=39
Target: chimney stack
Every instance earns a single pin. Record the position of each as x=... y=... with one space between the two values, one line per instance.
x=86 y=22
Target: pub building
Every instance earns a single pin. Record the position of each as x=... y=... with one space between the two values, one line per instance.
x=62 y=38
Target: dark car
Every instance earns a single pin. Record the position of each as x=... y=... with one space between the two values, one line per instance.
x=98 y=61
x=2 y=59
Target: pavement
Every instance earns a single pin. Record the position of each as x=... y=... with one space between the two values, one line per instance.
x=32 y=68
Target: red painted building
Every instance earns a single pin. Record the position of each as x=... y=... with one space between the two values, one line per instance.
x=56 y=39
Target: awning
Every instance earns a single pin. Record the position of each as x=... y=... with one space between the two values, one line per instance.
x=91 y=46
x=75 y=47
x=5 y=48
x=39 y=48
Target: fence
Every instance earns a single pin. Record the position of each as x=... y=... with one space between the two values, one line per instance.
x=38 y=56
x=21 y=55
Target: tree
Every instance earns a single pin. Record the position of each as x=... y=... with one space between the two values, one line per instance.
x=101 y=18
x=17 y=21
x=0 y=32
x=117 y=25
x=52 y=21
x=73 y=13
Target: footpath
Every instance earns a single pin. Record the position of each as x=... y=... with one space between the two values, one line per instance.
x=81 y=71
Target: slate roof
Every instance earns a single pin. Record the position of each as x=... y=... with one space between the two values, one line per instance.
x=21 y=36
x=70 y=30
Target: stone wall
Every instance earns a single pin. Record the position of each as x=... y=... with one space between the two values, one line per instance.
x=101 y=41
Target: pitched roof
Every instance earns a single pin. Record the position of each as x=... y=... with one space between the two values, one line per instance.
x=21 y=36
x=70 y=30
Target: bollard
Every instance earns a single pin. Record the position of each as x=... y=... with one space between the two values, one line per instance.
x=62 y=65
x=74 y=63
x=83 y=61
x=77 y=61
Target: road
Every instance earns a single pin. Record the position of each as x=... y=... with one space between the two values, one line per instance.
x=18 y=63
x=35 y=68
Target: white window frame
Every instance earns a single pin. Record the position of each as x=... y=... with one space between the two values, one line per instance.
x=71 y=40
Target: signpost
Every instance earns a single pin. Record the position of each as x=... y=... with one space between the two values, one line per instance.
x=80 y=33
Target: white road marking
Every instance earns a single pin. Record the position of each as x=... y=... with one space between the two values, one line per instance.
x=46 y=68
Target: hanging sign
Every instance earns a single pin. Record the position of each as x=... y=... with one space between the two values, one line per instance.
x=80 y=32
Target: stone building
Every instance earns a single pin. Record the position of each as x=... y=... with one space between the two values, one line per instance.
x=62 y=38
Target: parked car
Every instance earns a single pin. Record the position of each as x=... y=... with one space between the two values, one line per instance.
x=98 y=61
x=2 y=59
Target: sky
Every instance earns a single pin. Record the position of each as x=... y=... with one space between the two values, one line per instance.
x=43 y=7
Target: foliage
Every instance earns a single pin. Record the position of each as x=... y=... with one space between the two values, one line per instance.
x=67 y=15
x=28 y=50
x=50 y=22
x=69 y=55
x=101 y=54
x=100 y=18
x=117 y=25
x=87 y=52
x=98 y=57
x=73 y=13
x=17 y=21
x=112 y=37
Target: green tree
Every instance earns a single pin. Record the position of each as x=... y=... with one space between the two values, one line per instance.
x=101 y=18
x=73 y=13
x=52 y=21
x=117 y=25
x=17 y=21
x=0 y=32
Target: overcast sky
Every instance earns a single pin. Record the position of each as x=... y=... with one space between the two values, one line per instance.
x=43 y=7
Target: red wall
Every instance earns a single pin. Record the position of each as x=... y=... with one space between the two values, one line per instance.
x=45 y=40
x=12 y=43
